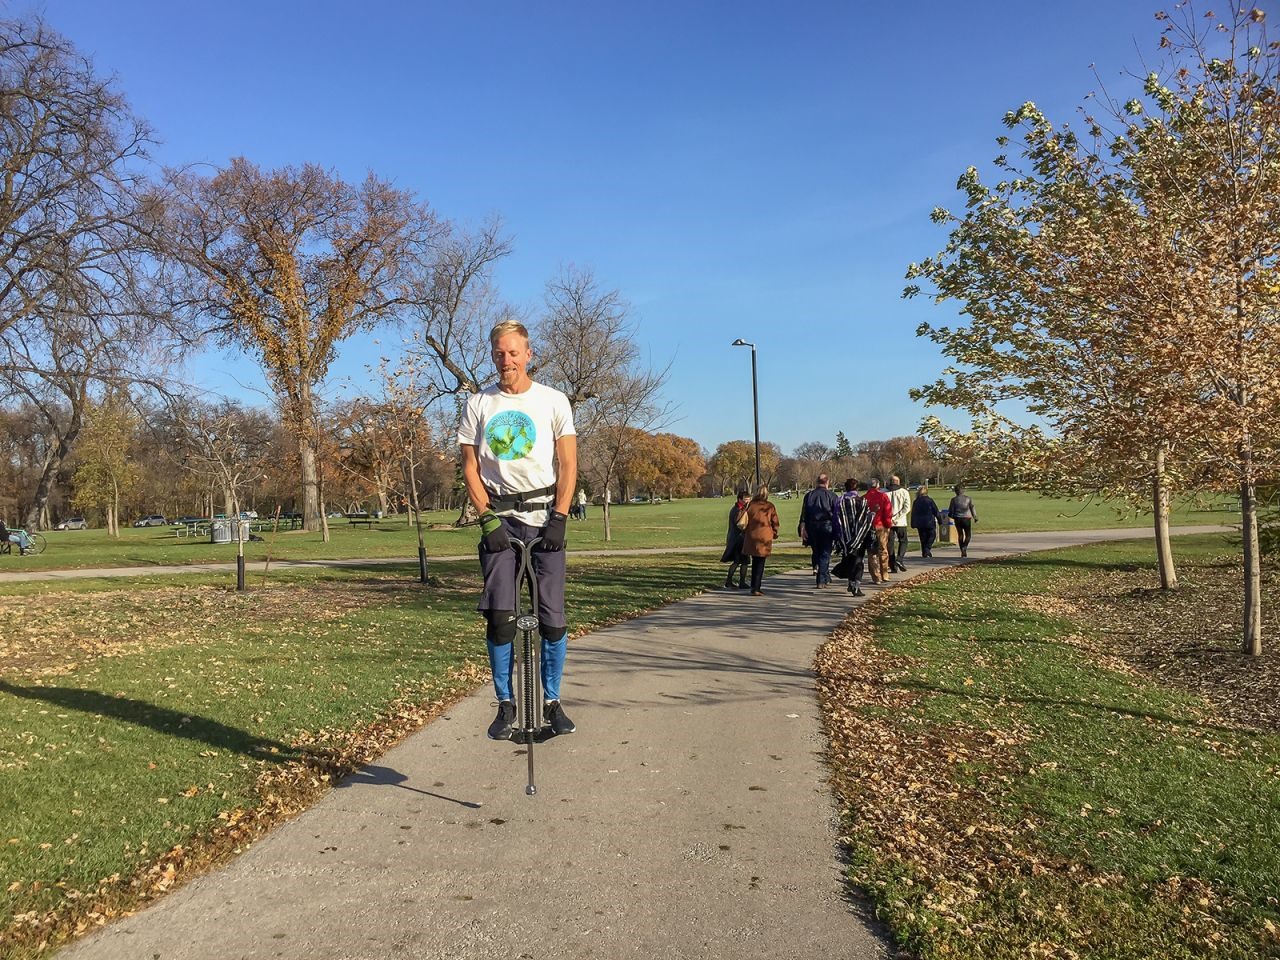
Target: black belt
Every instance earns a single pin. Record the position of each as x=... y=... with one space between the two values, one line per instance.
x=521 y=502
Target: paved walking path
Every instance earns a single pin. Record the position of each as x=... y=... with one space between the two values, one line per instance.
x=689 y=816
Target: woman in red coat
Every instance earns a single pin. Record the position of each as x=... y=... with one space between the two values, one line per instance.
x=757 y=539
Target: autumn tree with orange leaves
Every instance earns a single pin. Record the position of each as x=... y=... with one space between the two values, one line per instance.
x=1121 y=286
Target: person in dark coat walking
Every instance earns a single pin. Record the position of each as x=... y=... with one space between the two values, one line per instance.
x=817 y=527
x=925 y=517
x=733 y=544
x=853 y=532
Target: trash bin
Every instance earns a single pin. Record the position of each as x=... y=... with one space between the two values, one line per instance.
x=944 y=527
x=220 y=531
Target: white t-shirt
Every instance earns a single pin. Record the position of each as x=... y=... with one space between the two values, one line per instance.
x=515 y=438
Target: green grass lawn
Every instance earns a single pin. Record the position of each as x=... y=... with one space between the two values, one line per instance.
x=144 y=731
x=678 y=523
x=1053 y=803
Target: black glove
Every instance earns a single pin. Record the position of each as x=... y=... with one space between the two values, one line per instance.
x=494 y=537
x=553 y=532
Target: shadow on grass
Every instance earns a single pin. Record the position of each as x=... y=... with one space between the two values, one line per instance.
x=964 y=694
x=161 y=719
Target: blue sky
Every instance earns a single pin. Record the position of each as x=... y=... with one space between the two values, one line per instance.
x=735 y=169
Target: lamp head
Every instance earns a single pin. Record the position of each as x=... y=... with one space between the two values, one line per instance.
x=741 y=343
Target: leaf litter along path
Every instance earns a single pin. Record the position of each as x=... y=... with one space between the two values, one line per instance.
x=690 y=816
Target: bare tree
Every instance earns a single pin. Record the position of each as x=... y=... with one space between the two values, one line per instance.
x=586 y=339
x=452 y=305
x=79 y=341
x=73 y=298
x=288 y=263
x=229 y=447
x=586 y=347
x=71 y=152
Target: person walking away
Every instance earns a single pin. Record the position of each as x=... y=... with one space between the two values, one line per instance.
x=817 y=525
x=900 y=497
x=881 y=508
x=733 y=543
x=963 y=516
x=757 y=539
x=520 y=466
x=582 y=504
x=853 y=533
x=925 y=517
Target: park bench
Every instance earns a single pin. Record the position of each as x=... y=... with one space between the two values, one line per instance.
x=354 y=518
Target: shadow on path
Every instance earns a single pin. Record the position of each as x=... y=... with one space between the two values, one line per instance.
x=377 y=776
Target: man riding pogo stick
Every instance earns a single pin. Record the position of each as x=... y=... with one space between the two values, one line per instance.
x=520 y=466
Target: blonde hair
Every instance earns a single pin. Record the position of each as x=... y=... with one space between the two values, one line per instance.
x=762 y=493
x=507 y=326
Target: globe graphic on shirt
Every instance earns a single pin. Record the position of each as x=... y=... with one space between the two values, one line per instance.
x=510 y=435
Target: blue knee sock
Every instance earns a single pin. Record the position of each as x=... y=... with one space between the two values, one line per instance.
x=501 y=659
x=552 y=661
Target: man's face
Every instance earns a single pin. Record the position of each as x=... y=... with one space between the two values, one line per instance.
x=511 y=357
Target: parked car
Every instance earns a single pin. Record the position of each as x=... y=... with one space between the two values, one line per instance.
x=151 y=520
x=73 y=523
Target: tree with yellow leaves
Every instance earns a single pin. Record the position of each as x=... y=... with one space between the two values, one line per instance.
x=286 y=264
x=1122 y=289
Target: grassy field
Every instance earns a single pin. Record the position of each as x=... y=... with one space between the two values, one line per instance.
x=147 y=732
x=1014 y=791
x=678 y=523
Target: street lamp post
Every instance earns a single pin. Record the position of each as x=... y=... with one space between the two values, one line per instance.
x=755 y=404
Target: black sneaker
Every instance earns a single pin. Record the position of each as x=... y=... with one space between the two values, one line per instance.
x=555 y=716
x=500 y=729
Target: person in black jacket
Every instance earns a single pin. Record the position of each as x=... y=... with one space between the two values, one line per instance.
x=733 y=544
x=925 y=518
x=817 y=526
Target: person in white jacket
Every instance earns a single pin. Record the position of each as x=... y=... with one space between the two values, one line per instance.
x=900 y=497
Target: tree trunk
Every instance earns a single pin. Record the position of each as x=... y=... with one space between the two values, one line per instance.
x=53 y=463
x=1252 y=644
x=1160 y=508
x=608 y=526
x=113 y=511
x=312 y=518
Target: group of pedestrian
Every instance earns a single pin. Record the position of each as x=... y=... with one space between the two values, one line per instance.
x=753 y=526
x=868 y=527
x=872 y=527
